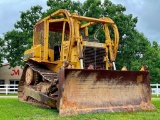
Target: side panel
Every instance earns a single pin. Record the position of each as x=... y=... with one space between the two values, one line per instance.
x=34 y=53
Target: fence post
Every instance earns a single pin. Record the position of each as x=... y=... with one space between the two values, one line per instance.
x=157 y=89
x=6 y=89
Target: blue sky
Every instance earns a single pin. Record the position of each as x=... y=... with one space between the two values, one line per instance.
x=146 y=11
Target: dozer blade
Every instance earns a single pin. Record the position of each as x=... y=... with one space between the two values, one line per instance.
x=92 y=91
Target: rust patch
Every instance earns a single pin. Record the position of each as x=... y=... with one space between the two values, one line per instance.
x=67 y=104
x=139 y=78
x=146 y=105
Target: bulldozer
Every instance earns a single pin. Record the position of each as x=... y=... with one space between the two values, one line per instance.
x=71 y=67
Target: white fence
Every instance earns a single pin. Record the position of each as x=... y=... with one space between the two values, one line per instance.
x=155 y=89
x=12 y=88
x=8 y=88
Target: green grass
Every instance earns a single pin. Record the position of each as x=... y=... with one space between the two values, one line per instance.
x=155 y=96
x=9 y=94
x=13 y=109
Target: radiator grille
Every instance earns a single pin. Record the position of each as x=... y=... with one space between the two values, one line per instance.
x=95 y=57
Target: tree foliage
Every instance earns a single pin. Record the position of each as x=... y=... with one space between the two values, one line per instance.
x=152 y=59
x=1 y=51
x=19 y=39
x=69 y=5
x=28 y=19
x=15 y=46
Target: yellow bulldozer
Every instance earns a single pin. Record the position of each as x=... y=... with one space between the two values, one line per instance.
x=68 y=68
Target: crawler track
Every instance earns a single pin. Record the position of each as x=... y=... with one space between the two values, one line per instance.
x=41 y=76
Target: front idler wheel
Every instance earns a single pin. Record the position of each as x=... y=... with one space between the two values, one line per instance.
x=29 y=76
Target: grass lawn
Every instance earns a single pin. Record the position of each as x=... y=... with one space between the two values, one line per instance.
x=155 y=96
x=9 y=95
x=13 y=109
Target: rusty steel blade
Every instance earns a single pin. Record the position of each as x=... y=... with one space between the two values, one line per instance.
x=92 y=91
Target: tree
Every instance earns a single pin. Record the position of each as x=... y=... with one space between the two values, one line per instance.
x=152 y=59
x=1 y=51
x=15 y=46
x=140 y=48
x=69 y=5
x=19 y=39
x=28 y=19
